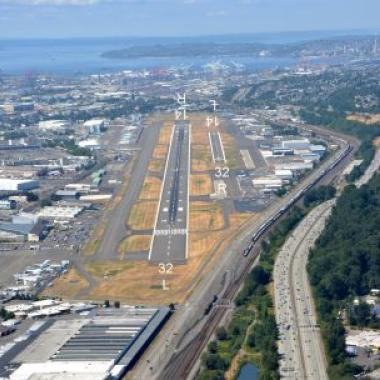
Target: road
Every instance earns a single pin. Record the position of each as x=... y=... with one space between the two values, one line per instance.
x=168 y=356
x=371 y=170
x=300 y=345
x=170 y=235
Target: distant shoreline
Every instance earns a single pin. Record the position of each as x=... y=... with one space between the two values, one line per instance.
x=229 y=49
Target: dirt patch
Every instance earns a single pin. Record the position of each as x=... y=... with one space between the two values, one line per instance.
x=367 y=119
x=200 y=184
x=151 y=189
x=143 y=215
x=69 y=285
x=206 y=216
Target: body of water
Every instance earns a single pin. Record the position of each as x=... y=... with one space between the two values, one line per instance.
x=83 y=56
x=248 y=372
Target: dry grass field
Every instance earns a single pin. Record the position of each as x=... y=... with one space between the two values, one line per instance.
x=156 y=166
x=134 y=243
x=199 y=135
x=151 y=189
x=165 y=134
x=206 y=216
x=160 y=152
x=139 y=282
x=68 y=285
x=142 y=215
x=200 y=184
x=201 y=159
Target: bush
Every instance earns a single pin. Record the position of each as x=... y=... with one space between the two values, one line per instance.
x=221 y=333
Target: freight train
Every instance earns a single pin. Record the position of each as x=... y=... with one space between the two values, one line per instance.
x=271 y=221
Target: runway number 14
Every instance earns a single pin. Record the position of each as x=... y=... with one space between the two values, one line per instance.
x=222 y=172
x=165 y=268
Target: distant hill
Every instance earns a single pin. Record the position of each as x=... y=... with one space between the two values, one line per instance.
x=187 y=50
x=330 y=46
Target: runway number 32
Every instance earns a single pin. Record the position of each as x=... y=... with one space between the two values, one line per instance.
x=222 y=172
x=165 y=268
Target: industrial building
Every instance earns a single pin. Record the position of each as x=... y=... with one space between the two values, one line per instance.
x=303 y=143
x=7 y=184
x=7 y=204
x=12 y=108
x=104 y=344
x=268 y=182
x=89 y=143
x=23 y=227
x=60 y=212
x=94 y=126
x=33 y=232
x=54 y=125
x=284 y=174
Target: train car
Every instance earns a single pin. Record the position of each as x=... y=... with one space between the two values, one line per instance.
x=264 y=227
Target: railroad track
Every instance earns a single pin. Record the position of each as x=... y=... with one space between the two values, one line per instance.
x=182 y=363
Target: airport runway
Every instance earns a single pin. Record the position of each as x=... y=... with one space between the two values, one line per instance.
x=170 y=237
x=217 y=149
x=167 y=357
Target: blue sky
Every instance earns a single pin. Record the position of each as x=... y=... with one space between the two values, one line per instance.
x=79 y=18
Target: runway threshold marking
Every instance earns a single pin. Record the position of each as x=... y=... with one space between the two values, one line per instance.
x=246 y=156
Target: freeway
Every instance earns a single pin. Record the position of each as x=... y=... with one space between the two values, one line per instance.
x=177 y=350
x=371 y=170
x=300 y=345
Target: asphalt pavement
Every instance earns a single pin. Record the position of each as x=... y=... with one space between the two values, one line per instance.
x=170 y=235
x=116 y=228
x=162 y=352
x=300 y=345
